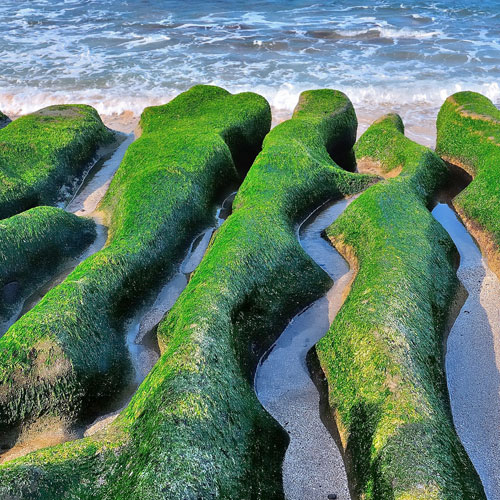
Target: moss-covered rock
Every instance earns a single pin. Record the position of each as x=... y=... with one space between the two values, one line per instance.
x=195 y=428
x=468 y=136
x=383 y=355
x=33 y=244
x=4 y=120
x=163 y=193
x=43 y=151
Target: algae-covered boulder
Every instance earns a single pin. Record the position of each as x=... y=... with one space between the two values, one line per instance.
x=163 y=193
x=4 y=120
x=468 y=136
x=33 y=244
x=195 y=429
x=43 y=151
x=383 y=355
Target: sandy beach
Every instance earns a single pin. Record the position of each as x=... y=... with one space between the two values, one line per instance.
x=473 y=357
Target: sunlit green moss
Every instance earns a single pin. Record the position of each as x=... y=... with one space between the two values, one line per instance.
x=33 y=243
x=41 y=152
x=162 y=194
x=195 y=428
x=468 y=135
x=383 y=355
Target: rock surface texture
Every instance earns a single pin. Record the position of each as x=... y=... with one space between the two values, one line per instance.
x=383 y=355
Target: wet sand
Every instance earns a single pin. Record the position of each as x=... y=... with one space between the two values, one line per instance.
x=473 y=357
x=125 y=122
x=48 y=431
x=313 y=467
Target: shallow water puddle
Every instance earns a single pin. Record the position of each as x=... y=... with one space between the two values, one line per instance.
x=313 y=467
x=473 y=356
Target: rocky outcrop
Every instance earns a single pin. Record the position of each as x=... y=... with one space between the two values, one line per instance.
x=383 y=356
x=44 y=151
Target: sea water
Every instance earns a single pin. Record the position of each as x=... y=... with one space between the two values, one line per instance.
x=121 y=56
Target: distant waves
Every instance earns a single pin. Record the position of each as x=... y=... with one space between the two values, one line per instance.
x=122 y=57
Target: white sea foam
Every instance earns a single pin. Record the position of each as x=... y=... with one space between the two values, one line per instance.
x=281 y=97
x=24 y=12
x=121 y=59
x=258 y=18
x=140 y=40
x=393 y=33
x=408 y=33
x=422 y=17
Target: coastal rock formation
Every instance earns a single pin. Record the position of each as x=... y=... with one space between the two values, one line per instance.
x=383 y=355
x=163 y=193
x=195 y=428
x=33 y=244
x=44 y=151
x=468 y=136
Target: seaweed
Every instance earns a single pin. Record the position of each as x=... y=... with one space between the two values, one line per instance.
x=43 y=151
x=67 y=356
x=195 y=429
x=33 y=244
x=383 y=355
x=468 y=136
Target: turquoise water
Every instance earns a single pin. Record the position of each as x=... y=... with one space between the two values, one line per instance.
x=124 y=55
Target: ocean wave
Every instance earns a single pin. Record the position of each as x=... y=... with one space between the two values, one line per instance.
x=376 y=32
x=140 y=40
x=282 y=98
x=121 y=58
x=423 y=18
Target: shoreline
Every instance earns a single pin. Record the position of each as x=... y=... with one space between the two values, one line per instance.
x=420 y=119
x=420 y=126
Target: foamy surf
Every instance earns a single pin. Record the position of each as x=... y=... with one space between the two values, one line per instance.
x=122 y=113
x=385 y=56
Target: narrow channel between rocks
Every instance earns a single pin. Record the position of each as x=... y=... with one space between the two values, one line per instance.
x=473 y=354
x=313 y=467
x=140 y=332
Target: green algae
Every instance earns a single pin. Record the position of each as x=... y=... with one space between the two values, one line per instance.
x=163 y=193
x=195 y=428
x=42 y=151
x=468 y=135
x=383 y=355
x=34 y=243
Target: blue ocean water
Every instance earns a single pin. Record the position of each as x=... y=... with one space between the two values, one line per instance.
x=123 y=55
